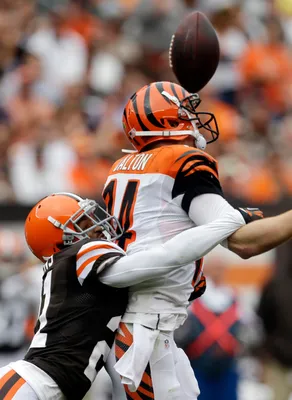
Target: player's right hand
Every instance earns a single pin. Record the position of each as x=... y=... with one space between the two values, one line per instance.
x=251 y=214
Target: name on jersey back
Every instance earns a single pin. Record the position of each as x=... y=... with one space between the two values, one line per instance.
x=134 y=162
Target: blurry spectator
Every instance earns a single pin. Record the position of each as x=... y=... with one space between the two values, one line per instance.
x=152 y=23
x=78 y=19
x=6 y=192
x=19 y=303
x=70 y=118
x=233 y=42
x=20 y=284
x=25 y=76
x=106 y=70
x=274 y=310
x=21 y=98
x=12 y=252
x=63 y=53
x=252 y=164
x=269 y=77
x=229 y=120
x=127 y=5
x=109 y=9
x=110 y=122
x=39 y=162
x=89 y=172
x=284 y=7
x=16 y=296
x=210 y=337
x=10 y=35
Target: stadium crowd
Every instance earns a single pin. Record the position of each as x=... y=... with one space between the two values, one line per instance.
x=67 y=68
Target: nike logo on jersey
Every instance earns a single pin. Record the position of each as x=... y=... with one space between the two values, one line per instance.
x=133 y=162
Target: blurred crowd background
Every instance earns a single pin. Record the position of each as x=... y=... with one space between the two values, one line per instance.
x=67 y=68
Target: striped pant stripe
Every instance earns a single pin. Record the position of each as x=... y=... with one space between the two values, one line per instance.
x=123 y=342
x=10 y=383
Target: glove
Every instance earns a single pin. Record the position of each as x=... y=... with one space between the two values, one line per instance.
x=251 y=214
x=199 y=289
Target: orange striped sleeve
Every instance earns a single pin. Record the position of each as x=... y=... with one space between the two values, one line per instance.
x=92 y=252
x=195 y=173
x=88 y=250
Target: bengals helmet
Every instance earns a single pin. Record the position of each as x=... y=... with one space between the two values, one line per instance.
x=166 y=111
x=53 y=223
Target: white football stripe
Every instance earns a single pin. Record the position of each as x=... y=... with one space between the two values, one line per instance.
x=114 y=323
x=88 y=267
x=100 y=243
x=40 y=339
x=85 y=272
x=100 y=349
x=90 y=371
x=92 y=244
x=93 y=253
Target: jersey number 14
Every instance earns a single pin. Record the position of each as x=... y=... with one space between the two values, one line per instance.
x=126 y=211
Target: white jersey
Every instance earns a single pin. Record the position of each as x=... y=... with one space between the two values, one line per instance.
x=150 y=193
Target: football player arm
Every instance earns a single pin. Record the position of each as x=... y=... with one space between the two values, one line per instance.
x=261 y=236
x=198 y=191
x=250 y=240
x=182 y=249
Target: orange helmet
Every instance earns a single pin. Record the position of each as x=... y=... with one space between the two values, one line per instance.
x=166 y=111
x=52 y=224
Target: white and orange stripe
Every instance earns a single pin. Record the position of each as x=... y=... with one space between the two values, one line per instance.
x=90 y=253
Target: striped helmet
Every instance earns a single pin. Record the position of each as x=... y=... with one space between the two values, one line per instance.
x=166 y=111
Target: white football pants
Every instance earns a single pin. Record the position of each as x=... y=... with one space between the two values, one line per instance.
x=14 y=387
x=169 y=375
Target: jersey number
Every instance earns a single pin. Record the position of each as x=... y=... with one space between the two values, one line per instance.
x=126 y=211
x=40 y=338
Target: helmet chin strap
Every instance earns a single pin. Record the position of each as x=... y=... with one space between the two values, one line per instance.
x=200 y=141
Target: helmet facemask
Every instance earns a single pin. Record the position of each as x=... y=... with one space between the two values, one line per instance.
x=205 y=122
x=72 y=232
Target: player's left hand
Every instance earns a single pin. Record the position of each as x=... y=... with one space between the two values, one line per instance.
x=251 y=214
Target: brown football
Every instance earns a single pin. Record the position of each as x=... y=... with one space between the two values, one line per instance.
x=194 y=52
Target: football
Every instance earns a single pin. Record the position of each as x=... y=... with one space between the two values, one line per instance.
x=194 y=52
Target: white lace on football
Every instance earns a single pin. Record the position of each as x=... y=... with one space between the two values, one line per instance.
x=170 y=51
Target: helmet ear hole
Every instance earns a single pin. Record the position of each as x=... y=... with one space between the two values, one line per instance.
x=173 y=124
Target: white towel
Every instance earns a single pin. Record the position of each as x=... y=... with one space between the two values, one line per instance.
x=131 y=366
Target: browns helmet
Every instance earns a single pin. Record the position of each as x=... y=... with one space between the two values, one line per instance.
x=53 y=223
x=166 y=111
